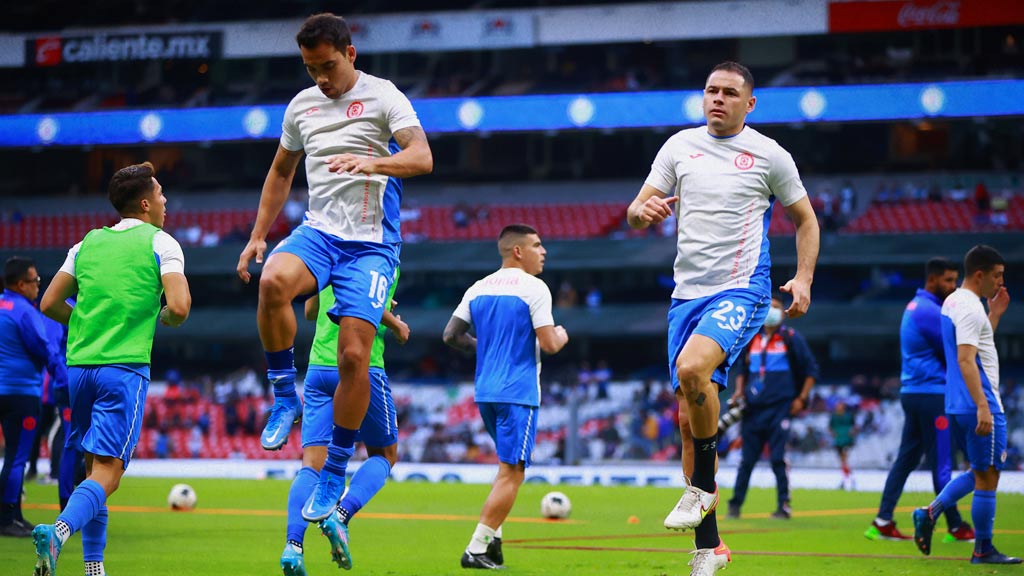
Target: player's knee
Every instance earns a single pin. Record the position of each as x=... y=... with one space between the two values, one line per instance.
x=275 y=288
x=390 y=453
x=354 y=359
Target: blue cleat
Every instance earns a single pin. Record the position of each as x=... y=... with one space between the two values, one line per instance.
x=292 y=562
x=284 y=413
x=993 y=556
x=47 y=549
x=924 y=527
x=325 y=497
x=337 y=533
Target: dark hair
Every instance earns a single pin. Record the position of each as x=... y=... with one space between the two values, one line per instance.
x=324 y=28
x=129 y=185
x=736 y=67
x=938 y=266
x=16 y=268
x=981 y=258
x=517 y=230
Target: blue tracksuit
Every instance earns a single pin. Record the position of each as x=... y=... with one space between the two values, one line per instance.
x=922 y=394
x=771 y=385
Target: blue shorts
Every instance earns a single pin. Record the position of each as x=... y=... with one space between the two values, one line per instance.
x=983 y=452
x=380 y=425
x=360 y=272
x=730 y=318
x=107 y=404
x=513 y=427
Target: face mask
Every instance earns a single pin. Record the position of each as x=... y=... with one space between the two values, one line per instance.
x=774 y=317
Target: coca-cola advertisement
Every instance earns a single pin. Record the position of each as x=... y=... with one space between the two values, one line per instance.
x=882 y=15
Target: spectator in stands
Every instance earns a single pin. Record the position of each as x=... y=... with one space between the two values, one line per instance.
x=844 y=432
x=601 y=377
x=609 y=434
x=584 y=378
x=567 y=296
x=593 y=298
x=778 y=372
x=461 y=215
x=847 y=202
x=983 y=202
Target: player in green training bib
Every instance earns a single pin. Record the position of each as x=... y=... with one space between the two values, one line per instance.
x=379 y=432
x=119 y=274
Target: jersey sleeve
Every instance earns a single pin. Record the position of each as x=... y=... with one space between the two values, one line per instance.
x=291 y=139
x=69 y=263
x=663 y=171
x=784 y=179
x=968 y=322
x=540 y=305
x=463 y=312
x=399 y=111
x=167 y=249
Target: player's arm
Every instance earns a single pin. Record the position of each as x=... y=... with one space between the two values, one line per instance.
x=312 y=308
x=398 y=327
x=552 y=338
x=651 y=206
x=179 y=299
x=997 y=305
x=456 y=335
x=414 y=159
x=275 y=193
x=739 y=385
x=808 y=239
x=966 y=356
x=54 y=303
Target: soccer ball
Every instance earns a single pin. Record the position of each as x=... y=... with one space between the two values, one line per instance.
x=182 y=497
x=555 y=505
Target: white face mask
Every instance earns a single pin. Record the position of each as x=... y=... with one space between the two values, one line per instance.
x=774 y=317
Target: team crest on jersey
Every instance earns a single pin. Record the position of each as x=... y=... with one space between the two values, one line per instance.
x=312 y=110
x=355 y=110
x=744 y=161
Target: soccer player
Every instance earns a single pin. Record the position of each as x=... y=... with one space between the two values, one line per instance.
x=725 y=178
x=119 y=274
x=379 y=432
x=778 y=373
x=360 y=135
x=25 y=349
x=923 y=396
x=510 y=311
x=973 y=402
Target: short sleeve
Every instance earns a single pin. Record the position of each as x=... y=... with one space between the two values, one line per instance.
x=463 y=312
x=968 y=322
x=784 y=179
x=540 y=305
x=69 y=263
x=399 y=111
x=167 y=249
x=663 y=171
x=291 y=138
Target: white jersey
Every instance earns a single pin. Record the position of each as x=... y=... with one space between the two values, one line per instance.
x=726 y=188
x=361 y=122
x=166 y=249
x=506 y=308
x=964 y=321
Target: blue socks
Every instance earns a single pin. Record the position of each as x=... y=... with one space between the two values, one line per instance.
x=366 y=482
x=302 y=486
x=341 y=448
x=281 y=372
x=957 y=488
x=983 y=512
x=94 y=537
x=84 y=505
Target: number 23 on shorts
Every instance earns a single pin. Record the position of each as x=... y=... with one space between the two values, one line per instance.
x=730 y=316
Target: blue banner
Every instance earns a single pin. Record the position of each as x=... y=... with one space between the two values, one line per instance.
x=535 y=113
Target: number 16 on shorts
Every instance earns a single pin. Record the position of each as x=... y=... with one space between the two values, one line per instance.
x=378 y=289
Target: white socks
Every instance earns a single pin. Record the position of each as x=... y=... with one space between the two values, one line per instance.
x=482 y=536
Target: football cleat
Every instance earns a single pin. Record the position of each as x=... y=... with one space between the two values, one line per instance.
x=325 y=496
x=707 y=561
x=292 y=562
x=924 y=526
x=48 y=547
x=479 y=561
x=887 y=532
x=993 y=557
x=337 y=533
x=494 y=552
x=283 y=414
x=691 y=509
x=962 y=533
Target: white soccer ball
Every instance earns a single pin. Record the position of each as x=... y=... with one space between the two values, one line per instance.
x=555 y=505
x=182 y=497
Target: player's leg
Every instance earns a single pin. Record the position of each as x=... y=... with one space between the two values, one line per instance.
x=777 y=439
x=41 y=432
x=69 y=464
x=753 y=443
x=938 y=441
x=19 y=415
x=912 y=445
x=988 y=458
x=686 y=452
x=57 y=446
x=963 y=426
x=298 y=266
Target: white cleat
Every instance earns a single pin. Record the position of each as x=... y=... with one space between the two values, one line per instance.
x=708 y=561
x=691 y=509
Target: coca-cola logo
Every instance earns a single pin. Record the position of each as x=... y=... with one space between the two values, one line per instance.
x=946 y=13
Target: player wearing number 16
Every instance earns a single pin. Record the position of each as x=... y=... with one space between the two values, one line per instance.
x=360 y=136
x=725 y=178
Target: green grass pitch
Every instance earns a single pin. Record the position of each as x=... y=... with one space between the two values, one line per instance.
x=411 y=528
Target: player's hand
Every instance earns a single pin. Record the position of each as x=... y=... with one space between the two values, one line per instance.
x=797 y=406
x=656 y=209
x=985 y=421
x=166 y=320
x=998 y=303
x=800 y=290
x=402 y=332
x=254 y=249
x=561 y=333
x=352 y=164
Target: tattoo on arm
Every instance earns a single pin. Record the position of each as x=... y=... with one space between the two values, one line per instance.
x=407 y=136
